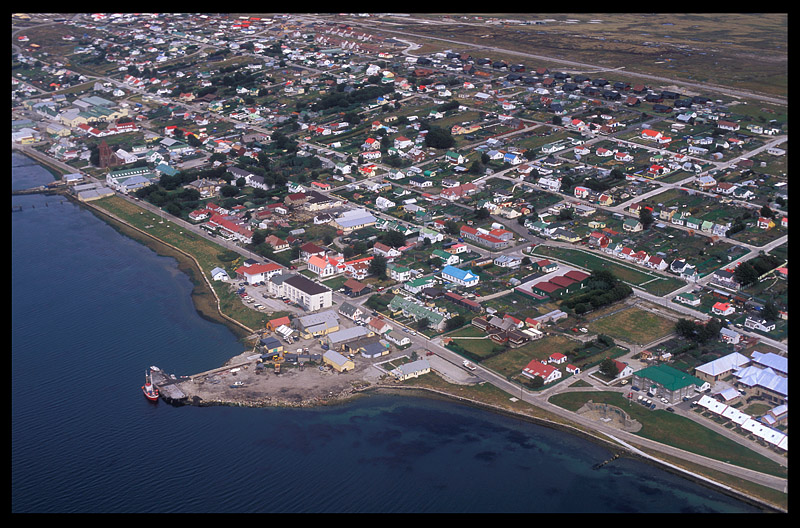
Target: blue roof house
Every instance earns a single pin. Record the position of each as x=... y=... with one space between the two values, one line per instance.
x=459 y=276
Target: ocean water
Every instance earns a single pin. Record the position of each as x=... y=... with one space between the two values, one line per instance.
x=92 y=309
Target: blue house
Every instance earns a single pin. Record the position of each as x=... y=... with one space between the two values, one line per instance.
x=459 y=276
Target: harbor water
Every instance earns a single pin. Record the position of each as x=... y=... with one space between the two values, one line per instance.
x=92 y=309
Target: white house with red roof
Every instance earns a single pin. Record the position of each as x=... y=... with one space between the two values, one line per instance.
x=231 y=228
x=557 y=358
x=371 y=144
x=656 y=262
x=581 y=192
x=379 y=326
x=650 y=134
x=603 y=152
x=536 y=368
x=255 y=273
x=722 y=308
x=623 y=370
x=385 y=251
x=402 y=143
x=199 y=214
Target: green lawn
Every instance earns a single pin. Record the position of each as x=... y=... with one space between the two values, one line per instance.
x=633 y=325
x=675 y=430
x=650 y=282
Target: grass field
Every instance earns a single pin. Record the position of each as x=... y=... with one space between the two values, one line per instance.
x=672 y=429
x=633 y=325
x=513 y=360
x=737 y=50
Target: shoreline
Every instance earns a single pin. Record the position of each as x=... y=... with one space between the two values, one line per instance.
x=436 y=394
x=210 y=311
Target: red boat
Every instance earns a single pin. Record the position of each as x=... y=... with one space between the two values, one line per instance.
x=149 y=390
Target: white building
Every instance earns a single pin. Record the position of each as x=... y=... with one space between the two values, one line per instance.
x=302 y=290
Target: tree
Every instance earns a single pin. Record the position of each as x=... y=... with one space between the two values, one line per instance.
x=536 y=382
x=229 y=191
x=455 y=322
x=646 y=217
x=770 y=311
x=438 y=137
x=482 y=213
x=377 y=266
x=745 y=274
x=423 y=323
x=608 y=368
x=452 y=227
x=394 y=239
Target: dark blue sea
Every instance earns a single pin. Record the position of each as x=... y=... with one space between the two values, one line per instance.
x=92 y=309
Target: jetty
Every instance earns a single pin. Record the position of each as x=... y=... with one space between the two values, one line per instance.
x=167 y=386
x=601 y=464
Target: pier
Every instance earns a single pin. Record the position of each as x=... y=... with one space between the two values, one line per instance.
x=167 y=386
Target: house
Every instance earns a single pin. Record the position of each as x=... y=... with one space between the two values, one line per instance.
x=353 y=288
x=459 y=191
x=277 y=243
x=218 y=274
x=454 y=157
x=545 y=266
x=581 y=192
x=536 y=369
x=385 y=251
x=415 y=286
x=413 y=369
x=459 y=276
x=352 y=312
x=399 y=273
x=721 y=308
x=765 y=223
x=729 y=336
x=688 y=298
x=656 y=262
x=759 y=324
x=623 y=370
x=384 y=203
x=379 y=326
x=325 y=266
x=632 y=225
x=668 y=382
x=256 y=273
x=598 y=239
x=725 y=278
x=448 y=259
x=416 y=310
x=508 y=261
x=310 y=249
x=557 y=358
